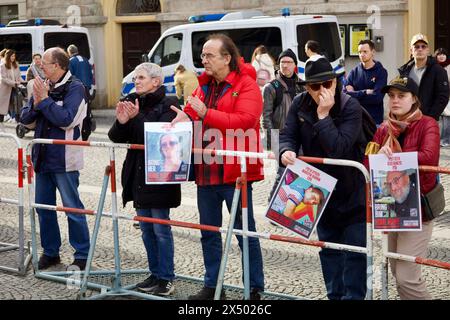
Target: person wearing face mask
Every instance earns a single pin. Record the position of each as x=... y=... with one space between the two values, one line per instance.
x=148 y=104
x=408 y=130
x=324 y=122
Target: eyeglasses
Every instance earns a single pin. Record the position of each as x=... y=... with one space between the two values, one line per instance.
x=316 y=86
x=287 y=62
x=420 y=46
x=140 y=78
x=47 y=63
x=169 y=143
x=395 y=180
x=208 y=56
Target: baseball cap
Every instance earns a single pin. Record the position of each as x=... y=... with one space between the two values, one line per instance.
x=404 y=84
x=419 y=37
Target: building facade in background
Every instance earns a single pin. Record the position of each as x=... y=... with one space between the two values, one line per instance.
x=123 y=30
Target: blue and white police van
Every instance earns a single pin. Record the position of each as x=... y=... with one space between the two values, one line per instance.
x=183 y=44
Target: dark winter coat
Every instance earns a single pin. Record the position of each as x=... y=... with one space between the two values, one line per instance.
x=337 y=137
x=153 y=107
x=433 y=89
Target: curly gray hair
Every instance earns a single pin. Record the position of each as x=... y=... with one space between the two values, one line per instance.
x=152 y=70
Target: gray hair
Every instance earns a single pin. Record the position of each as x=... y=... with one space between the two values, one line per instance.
x=72 y=49
x=152 y=70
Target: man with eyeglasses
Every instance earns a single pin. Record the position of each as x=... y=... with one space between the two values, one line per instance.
x=279 y=93
x=431 y=78
x=404 y=191
x=58 y=107
x=324 y=122
x=226 y=108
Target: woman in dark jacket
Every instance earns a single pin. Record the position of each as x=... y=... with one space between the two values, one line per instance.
x=408 y=130
x=148 y=104
x=323 y=122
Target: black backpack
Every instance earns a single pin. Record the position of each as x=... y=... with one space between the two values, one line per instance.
x=89 y=124
x=369 y=126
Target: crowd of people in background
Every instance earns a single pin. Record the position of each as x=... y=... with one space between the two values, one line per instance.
x=318 y=115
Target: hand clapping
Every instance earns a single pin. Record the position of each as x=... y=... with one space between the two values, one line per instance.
x=198 y=106
x=126 y=110
x=40 y=90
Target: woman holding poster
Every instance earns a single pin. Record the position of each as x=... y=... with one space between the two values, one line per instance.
x=148 y=104
x=408 y=130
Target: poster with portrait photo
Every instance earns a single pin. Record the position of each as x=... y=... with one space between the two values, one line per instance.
x=300 y=198
x=167 y=152
x=395 y=189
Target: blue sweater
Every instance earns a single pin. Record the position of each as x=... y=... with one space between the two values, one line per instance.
x=375 y=79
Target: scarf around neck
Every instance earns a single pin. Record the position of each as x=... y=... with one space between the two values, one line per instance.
x=397 y=126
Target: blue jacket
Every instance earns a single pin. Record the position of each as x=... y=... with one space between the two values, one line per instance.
x=332 y=137
x=81 y=68
x=59 y=116
x=375 y=79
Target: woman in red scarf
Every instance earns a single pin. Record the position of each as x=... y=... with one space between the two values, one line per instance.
x=408 y=130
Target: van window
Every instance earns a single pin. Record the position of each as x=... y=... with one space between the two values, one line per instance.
x=65 y=39
x=21 y=43
x=168 y=51
x=245 y=39
x=326 y=34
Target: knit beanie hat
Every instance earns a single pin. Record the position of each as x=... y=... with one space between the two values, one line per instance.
x=287 y=53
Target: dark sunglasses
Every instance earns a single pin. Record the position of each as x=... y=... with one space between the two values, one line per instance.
x=420 y=46
x=316 y=86
x=170 y=143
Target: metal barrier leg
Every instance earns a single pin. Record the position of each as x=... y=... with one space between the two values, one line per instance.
x=384 y=267
x=82 y=293
x=226 y=250
x=245 y=253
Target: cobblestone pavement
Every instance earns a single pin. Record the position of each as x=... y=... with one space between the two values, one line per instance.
x=289 y=268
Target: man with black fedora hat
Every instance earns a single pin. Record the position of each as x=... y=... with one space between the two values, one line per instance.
x=324 y=122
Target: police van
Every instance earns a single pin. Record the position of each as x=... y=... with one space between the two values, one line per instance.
x=28 y=37
x=183 y=44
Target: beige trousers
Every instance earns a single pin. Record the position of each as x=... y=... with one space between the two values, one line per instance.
x=408 y=275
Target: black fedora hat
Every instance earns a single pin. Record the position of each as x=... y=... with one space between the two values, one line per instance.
x=318 y=69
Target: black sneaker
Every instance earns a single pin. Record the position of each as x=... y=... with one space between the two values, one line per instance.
x=47 y=261
x=78 y=264
x=255 y=294
x=164 y=288
x=207 y=294
x=148 y=284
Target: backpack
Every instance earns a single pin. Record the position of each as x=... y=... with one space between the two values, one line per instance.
x=89 y=124
x=369 y=126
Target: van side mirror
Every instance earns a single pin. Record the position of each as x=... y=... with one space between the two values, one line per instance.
x=144 y=58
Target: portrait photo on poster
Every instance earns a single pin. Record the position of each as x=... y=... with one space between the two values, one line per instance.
x=300 y=198
x=167 y=152
x=395 y=190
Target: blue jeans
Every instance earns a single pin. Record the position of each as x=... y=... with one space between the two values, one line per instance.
x=344 y=272
x=158 y=242
x=67 y=184
x=210 y=200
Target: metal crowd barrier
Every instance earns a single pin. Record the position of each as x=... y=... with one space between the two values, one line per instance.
x=22 y=259
x=398 y=256
x=241 y=186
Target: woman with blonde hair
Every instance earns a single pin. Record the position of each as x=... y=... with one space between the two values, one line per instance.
x=10 y=78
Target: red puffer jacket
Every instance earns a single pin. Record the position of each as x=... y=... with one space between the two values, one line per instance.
x=238 y=108
x=421 y=136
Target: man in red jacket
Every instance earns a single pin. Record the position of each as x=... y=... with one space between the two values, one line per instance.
x=227 y=107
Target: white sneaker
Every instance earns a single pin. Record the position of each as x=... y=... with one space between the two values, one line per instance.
x=6 y=118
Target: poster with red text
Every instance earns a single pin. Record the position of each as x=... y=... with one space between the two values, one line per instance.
x=300 y=198
x=395 y=192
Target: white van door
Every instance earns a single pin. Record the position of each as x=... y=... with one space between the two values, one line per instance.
x=168 y=55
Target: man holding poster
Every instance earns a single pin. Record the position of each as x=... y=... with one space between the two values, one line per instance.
x=324 y=123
